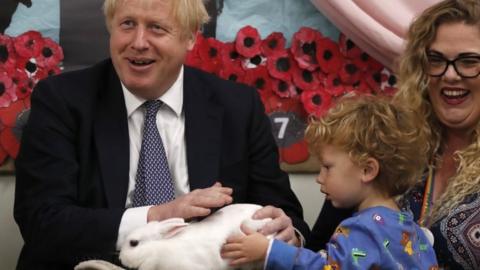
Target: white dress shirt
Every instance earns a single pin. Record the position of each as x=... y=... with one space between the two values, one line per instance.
x=171 y=126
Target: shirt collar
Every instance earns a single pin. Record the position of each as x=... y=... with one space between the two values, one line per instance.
x=173 y=97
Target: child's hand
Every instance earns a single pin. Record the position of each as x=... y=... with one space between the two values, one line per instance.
x=245 y=249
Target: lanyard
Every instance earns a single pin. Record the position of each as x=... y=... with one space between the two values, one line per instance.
x=427 y=198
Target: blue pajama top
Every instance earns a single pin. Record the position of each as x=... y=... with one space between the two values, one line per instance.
x=374 y=238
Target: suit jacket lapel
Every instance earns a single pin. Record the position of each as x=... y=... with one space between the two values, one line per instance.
x=203 y=127
x=112 y=141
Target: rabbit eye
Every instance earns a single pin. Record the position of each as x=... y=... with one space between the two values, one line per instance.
x=133 y=243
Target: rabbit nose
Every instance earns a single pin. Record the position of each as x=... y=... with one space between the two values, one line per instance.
x=133 y=243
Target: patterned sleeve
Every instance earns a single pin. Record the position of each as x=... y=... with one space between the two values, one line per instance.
x=353 y=246
x=284 y=256
x=356 y=244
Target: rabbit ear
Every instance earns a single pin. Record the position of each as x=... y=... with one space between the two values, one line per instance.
x=171 y=226
x=172 y=221
x=175 y=230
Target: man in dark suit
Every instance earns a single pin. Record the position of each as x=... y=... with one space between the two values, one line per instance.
x=77 y=166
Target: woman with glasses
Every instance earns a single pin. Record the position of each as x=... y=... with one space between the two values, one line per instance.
x=439 y=79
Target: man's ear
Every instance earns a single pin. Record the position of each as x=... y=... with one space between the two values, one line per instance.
x=191 y=40
x=370 y=170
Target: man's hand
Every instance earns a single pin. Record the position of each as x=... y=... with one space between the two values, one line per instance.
x=281 y=224
x=197 y=203
x=245 y=249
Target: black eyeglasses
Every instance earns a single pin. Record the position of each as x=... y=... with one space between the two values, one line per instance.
x=465 y=66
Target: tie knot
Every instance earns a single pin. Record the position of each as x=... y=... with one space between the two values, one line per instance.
x=151 y=107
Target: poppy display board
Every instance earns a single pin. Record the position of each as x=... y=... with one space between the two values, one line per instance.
x=26 y=56
x=299 y=67
x=295 y=83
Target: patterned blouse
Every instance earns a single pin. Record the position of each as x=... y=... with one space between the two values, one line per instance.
x=374 y=238
x=457 y=235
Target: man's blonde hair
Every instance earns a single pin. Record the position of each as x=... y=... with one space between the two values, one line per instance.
x=413 y=92
x=372 y=127
x=189 y=14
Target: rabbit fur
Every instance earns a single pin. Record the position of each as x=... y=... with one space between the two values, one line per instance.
x=174 y=244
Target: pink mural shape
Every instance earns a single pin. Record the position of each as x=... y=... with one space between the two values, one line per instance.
x=378 y=27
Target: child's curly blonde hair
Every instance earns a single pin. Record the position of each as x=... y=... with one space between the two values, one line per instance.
x=372 y=127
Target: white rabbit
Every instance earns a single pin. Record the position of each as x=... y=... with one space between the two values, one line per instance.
x=174 y=244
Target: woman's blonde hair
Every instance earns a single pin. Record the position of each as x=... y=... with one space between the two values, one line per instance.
x=413 y=92
x=189 y=14
x=372 y=127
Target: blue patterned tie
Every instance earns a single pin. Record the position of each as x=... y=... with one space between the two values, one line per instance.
x=154 y=183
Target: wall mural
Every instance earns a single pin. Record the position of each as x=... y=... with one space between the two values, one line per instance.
x=299 y=62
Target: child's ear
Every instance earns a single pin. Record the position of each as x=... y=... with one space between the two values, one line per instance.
x=370 y=170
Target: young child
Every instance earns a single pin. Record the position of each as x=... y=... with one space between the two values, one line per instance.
x=370 y=152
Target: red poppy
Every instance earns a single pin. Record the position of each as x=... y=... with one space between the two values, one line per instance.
x=258 y=77
x=51 y=54
x=279 y=65
x=389 y=85
x=348 y=47
x=209 y=52
x=253 y=62
x=7 y=54
x=316 y=102
x=28 y=44
x=274 y=42
x=305 y=79
x=232 y=72
x=304 y=48
x=24 y=89
x=229 y=53
x=28 y=64
x=366 y=62
x=7 y=90
x=334 y=85
x=41 y=74
x=392 y=80
x=248 y=41
x=328 y=56
x=374 y=80
x=350 y=73
x=284 y=89
x=24 y=86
